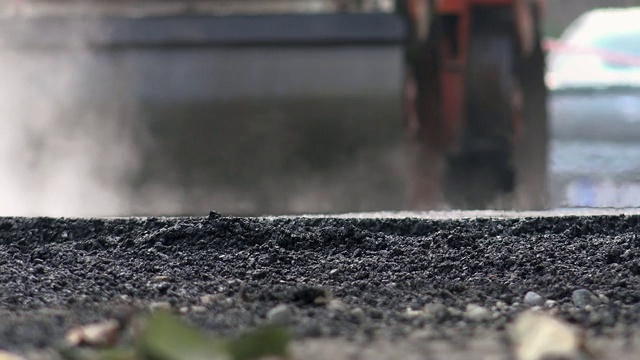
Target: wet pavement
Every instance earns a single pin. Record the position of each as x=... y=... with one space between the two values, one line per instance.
x=594 y=173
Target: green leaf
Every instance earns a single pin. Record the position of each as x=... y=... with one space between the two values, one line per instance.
x=268 y=341
x=118 y=354
x=168 y=338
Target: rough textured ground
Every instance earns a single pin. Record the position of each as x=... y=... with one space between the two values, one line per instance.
x=57 y=273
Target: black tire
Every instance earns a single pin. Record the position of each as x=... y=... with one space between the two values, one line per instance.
x=482 y=170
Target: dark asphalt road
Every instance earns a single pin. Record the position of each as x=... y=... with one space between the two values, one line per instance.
x=56 y=273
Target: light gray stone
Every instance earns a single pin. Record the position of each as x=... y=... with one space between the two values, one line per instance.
x=280 y=315
x=584 y=297
x=533 y=299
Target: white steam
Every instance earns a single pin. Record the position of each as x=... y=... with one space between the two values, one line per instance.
x=59 y=156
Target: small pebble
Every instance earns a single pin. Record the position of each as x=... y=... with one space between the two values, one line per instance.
x=198 y=309
x=477 y=313
x=337 y=305
x=359 y=315
x=280 y=315
x=533 y=299
x=454 y=312
x=550 y=304
x=161 y=278
x=584 y=297
x=161 y=305
x=436 y=311
x=183 y=310
x=210 y=298
x=603 y=298
x=411 y=314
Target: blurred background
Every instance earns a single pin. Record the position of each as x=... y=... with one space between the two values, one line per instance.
x=250 y=107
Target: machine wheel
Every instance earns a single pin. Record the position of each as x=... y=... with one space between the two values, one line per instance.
x=481 y=172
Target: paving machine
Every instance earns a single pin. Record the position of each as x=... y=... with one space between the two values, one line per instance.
x=476 y=102
x=288 y=106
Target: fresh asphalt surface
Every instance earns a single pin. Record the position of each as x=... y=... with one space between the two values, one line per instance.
x=57 y=273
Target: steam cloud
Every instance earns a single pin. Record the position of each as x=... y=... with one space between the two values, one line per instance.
x=60 y=155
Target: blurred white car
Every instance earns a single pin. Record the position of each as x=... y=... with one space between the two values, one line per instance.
x=594 y=77
x=593 y=74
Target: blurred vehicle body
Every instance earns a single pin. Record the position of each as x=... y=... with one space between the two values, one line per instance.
x=594 y=81
x=292 y=106
x=594 y=77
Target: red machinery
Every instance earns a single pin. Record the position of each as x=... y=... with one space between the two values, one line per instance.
x=476 y=102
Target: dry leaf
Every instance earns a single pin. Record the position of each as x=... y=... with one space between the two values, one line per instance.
x=536 y=336
x=5 y=355
x=99 y=334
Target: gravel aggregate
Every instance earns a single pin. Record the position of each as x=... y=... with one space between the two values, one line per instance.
x=346 y=280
